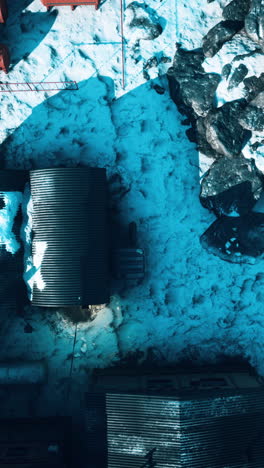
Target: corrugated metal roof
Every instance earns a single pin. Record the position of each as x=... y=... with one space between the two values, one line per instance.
x=69 y=216
x=156 y=431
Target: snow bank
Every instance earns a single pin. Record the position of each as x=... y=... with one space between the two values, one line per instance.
x=12 y=201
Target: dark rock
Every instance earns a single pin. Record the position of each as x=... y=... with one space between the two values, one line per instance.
x=254 y=22
x=186 y=122
x=150 y=63
x=239 y=74
x=190 y=86
x=236 y=239
x=223 y=132
x=254 y=85
x=175 y=93
x=252 y=117
x=145 y=20
x=188 y=62
x=236 y=10
x=218 y=35
x=226 y=70
x=165 y=59
x=191 y=134
x=256 y=145
x=231 y=185
x=159 y=89
x=146 y=75
x=151 y=31
x=202 y=144
x=256 y=53
x=200 y=92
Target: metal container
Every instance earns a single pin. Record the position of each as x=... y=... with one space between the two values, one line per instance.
x=70 y=226
x=210 y=417
x=72 y=3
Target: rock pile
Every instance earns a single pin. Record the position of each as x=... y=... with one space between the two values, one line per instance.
x=233 y=184
x=143 y=21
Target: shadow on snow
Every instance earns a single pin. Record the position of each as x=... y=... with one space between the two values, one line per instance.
x=24 y=30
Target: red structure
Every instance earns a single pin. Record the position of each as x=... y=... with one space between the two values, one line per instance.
x=72 y=3
x=3 y=11
x=4 y=58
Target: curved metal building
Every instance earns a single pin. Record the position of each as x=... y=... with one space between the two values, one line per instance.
x=70 y=236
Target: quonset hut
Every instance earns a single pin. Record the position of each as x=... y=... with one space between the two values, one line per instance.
x=70 y=236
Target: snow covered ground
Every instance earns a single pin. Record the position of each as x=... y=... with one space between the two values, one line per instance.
x=191 y=304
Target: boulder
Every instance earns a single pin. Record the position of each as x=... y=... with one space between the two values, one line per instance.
x=159 y=89
x=188 y=63
x=252 y=117
x=232 y=185
x=254 y=22
x=254 y=85
x=236 y=239
x=144 y=21
x=238 y=76
x=218 y=35
x=223 y=132
x=202 y=143
x=236 y=10
x=176 y=95
x=226 y=70
x=199 y=93
x=190 y=86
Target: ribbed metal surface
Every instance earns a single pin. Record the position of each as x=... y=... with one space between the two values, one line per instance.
x=95 y=430
x=169 y=432
x=69 y=216
x=128 y=264
x=13 y=180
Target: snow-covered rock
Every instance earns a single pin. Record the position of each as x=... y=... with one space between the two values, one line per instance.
x=252 y=117
x=223 y=132
x=236 y=239
x=238 y=75
x=190 y=86
x=254 y=22
x=232 y=185
x=142 y=21
x=218 y=35
x=236 y=10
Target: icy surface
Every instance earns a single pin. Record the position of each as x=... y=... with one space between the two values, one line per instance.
x=255 y=152
x=191 y=304
x=194 y=19
x=236 y=51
